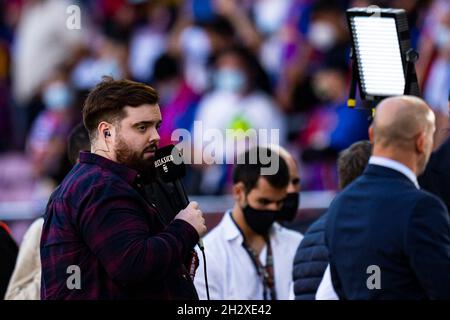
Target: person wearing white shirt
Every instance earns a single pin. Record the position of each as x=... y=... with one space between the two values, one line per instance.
x=249 y=256
x=326 y=291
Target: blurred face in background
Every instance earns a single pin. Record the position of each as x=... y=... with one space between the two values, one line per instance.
x=57 y=96
x=329 y=85
x=291 y=203
x=327 y=29
x=230 y=74
x=294 y=178
x=57 y=93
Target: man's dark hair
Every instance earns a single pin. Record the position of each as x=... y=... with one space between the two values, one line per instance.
x=248 y=169
x=107 y=100
x=77 y=141
x=352 y=162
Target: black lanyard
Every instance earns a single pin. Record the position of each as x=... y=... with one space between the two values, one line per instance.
x=266 y=273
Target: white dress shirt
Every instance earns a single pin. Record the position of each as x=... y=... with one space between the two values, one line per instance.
x=326 y=290
x=231 y=273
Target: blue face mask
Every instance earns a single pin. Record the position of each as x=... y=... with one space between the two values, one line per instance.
x=231 y=80
x=442 y=36
x=57 y=96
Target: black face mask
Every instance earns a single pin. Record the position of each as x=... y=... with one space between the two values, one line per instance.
x=259 y=221
x=290 y=207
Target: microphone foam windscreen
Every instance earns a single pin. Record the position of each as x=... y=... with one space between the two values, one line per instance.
x=169 y=163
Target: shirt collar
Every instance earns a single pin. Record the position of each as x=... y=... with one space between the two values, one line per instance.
x=126 y=173
x=231 y=228
x=395 y=165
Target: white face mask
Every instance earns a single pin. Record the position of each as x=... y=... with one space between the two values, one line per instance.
x=270 y=14
x=322 y=35
x=231 y=80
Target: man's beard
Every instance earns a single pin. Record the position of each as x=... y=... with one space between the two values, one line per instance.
x=135 y=159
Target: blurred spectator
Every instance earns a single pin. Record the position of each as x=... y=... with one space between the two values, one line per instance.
x=327 y=28
x=177 y=100
x=196 y=42
x=322 y=37
x=46 y=143
x=207 y=28
x=6 y=34
x=149 y=40
x=42 y=43
x=291 y=203
x=433 y=67
x=237 y=102
x=235 y=13
x=5 y=125
x=331 y=126
x=108 y=57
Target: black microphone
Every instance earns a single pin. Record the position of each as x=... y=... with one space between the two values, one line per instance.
x=171 y=169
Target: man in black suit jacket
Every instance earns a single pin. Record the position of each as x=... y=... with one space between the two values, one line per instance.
x=387 y=238
x=436 y=177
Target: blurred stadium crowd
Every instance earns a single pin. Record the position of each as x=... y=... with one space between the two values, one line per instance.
x=231 y=64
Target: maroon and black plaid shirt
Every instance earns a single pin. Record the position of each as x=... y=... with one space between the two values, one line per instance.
x=98 y=220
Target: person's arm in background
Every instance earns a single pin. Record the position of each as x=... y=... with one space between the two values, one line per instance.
x=25 y=283
x=428 y=246
x=233 y=11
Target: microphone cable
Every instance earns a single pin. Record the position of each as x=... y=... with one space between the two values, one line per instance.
x=180 y=187
x=202 y=249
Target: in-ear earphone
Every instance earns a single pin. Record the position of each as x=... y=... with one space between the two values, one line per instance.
x=107 y=133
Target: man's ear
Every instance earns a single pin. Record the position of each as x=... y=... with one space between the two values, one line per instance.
x=105 y=129
x=421 y=142
x=238 y=192
x=371 y=133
